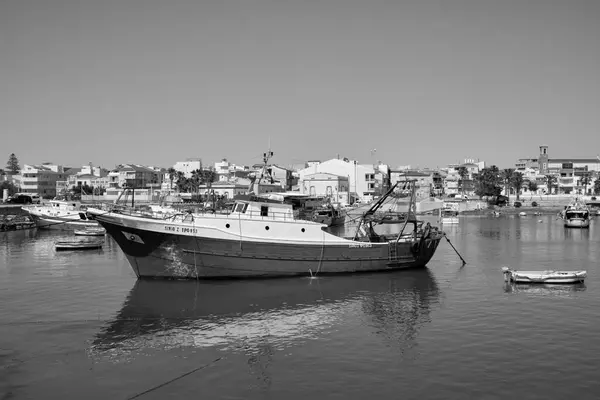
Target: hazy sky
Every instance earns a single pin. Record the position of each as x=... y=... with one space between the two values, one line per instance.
x=424 y=82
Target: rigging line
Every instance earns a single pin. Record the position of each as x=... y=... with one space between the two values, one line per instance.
x=322 y=251
x=174 y=379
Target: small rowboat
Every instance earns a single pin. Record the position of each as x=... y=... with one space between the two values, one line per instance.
x=543 y=276
x=90 y=232
x=78 y=245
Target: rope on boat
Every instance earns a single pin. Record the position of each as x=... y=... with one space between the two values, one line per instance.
x=456 y=251
x=174 y=379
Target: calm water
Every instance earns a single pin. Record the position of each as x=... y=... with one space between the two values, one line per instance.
x=78 y=325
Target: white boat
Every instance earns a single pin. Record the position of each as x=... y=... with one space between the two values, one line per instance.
x=449 y=214
x=59 y=214
x=97 y=231
x=78 y=245
x=576 y=215
x=259 y=238
x=546 y=277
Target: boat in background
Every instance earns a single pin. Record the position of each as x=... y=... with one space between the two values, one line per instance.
x=61 y=215
x=576 y=215
x=259 y=238
x=547 y=277
x=90 y=231
x=78 y=245
x=329 y=216
x=449 y=214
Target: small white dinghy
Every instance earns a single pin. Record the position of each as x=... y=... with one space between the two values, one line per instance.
x=78 y=245
x=543 y=276
x=92 y=231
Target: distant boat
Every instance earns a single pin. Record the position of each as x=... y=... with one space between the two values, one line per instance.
x=543 y=276
x=576 y=215
x=78 y=245
x=449 y=214
x=93 y=231
x=59 y=214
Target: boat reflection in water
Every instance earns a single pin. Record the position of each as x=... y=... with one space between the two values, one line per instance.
x=248 y=315
x=537 y=289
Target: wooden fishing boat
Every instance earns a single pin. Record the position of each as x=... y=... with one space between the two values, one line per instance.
x=95 y=231
x=547 y=277
x=78 y=245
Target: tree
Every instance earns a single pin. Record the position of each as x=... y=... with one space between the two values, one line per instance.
x=463 y=172
x=13 y=164
x=532 y=186
x=597 y=186
x=506 y=176
x=488 y=182
x=172 y=174
x=183 y=183
x=550 y=182
x=12 y=189
x=517 y=182
x=585 y=181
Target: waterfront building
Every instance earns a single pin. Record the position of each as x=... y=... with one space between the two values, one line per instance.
x=322 y=184
x=454 y=184
x=365 y=180
x=188 y=166
x=424 y=180
x=41 y=179
x=571 y=173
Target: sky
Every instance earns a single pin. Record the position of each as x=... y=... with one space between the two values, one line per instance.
x=421 y=83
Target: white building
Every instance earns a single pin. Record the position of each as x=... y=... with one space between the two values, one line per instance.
x=41 y=179
x=187 y=166
x=322 y=184
x=361 y=178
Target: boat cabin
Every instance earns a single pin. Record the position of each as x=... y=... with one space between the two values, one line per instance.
x=270 y=210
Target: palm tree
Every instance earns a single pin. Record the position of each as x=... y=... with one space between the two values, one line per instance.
x=181 y=182
x=172 y=174
x=196 y=180
x=550 y=181
x=506 y=175
x=208 y=176
x=463 y=172
x=585 y=181
x=517 y=182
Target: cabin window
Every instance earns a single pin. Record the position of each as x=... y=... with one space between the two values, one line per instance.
x=82 y=216
x=264 y=211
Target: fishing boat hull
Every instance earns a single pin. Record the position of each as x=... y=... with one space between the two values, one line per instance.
x=155 y=254
x=544 y=277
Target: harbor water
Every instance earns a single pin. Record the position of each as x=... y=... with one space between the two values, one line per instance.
x=78 y=325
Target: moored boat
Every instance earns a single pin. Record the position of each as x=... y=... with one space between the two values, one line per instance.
x=265 y=239
x=61 y=215
x=576 y=215
x=78 y=245
x=547 y=277
x=90 y=231
x=449 y=214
